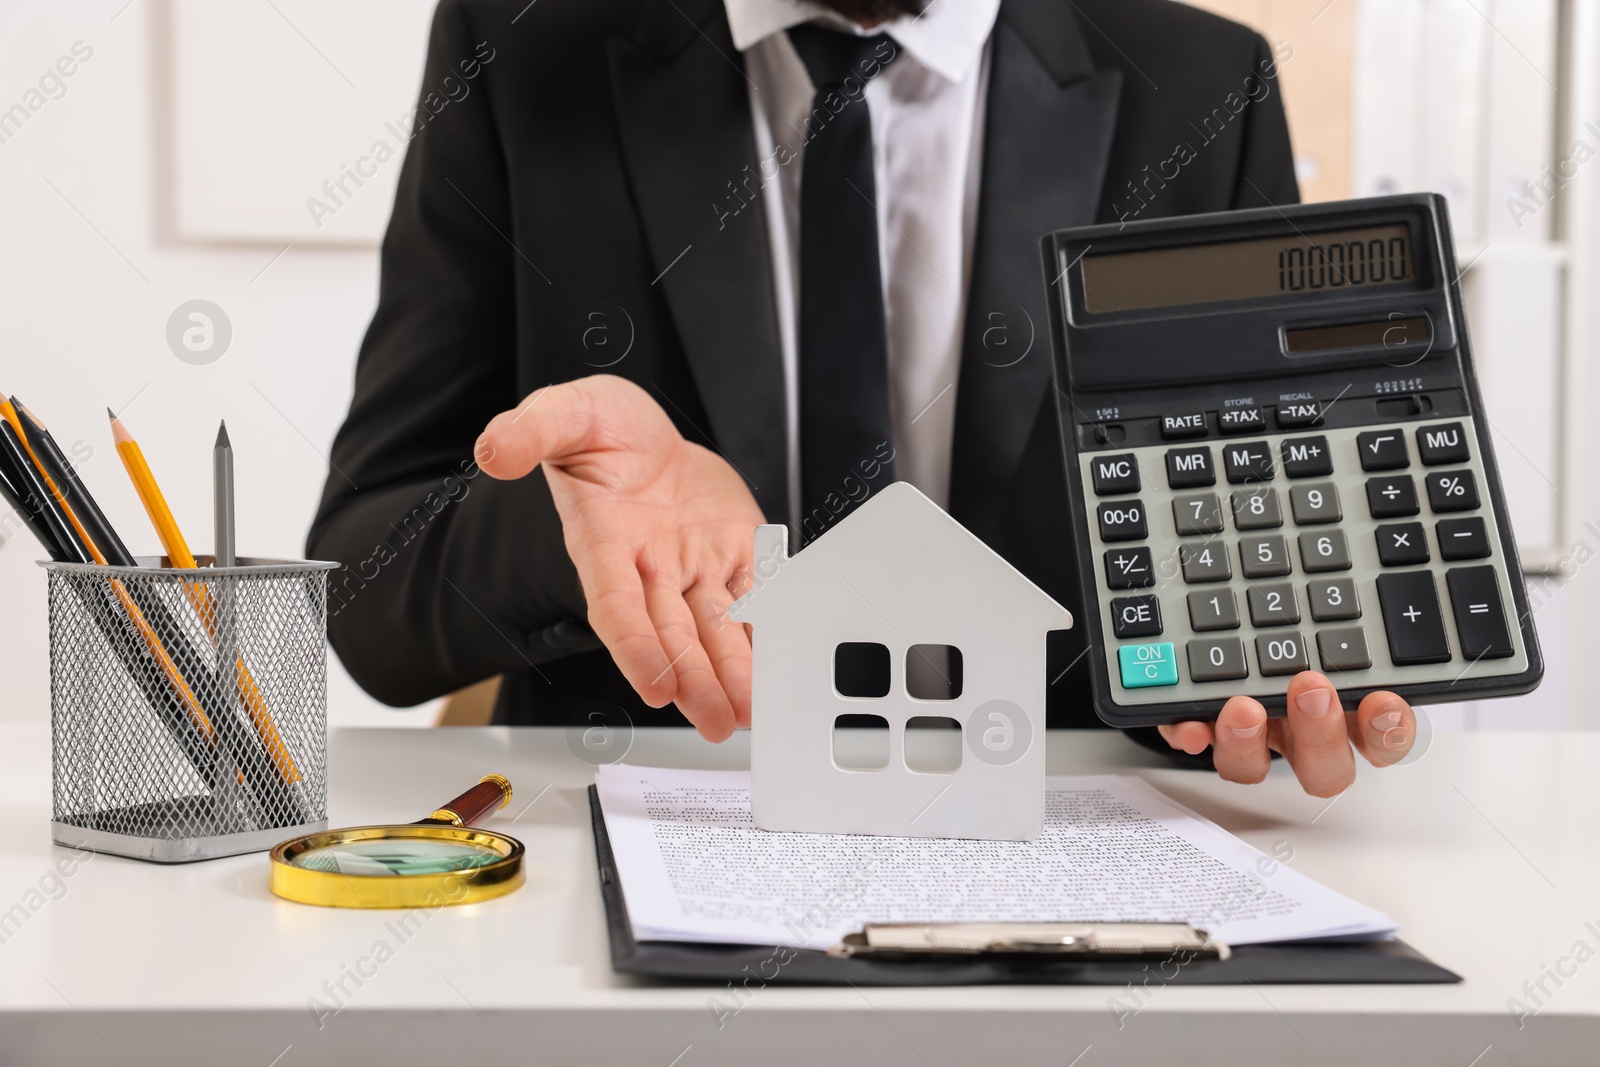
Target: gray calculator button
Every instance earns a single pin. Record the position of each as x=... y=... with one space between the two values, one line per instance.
x=1197 y=513
x=1213 y=609
x=1312 y=504
x=1281 y=653
x=1273 y=605
x=1206 y=561
x=1324 y=550
x=1264 y=556
x=1344 y=649
x=1217 y=659
x=1256 y=509
x=1333 y=600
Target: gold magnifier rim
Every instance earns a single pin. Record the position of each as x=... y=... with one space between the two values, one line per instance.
x=332 y=889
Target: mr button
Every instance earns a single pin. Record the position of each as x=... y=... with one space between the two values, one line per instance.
x=1115 y=474
x=1188 y=468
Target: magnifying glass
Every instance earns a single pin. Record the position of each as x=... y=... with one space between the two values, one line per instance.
x=440 y=860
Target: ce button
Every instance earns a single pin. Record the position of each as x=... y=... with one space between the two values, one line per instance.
x=1136 y=616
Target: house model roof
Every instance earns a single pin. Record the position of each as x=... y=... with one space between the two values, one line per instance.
x=899 y=555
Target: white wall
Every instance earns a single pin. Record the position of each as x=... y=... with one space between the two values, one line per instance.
x=88 y=277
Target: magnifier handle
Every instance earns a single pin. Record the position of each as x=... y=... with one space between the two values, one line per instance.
x=491 y=792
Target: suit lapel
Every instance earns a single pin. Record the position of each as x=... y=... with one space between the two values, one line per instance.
x=683 y=110
x=1047 y=138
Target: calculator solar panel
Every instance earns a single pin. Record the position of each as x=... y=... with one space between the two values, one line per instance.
x=1278 y=460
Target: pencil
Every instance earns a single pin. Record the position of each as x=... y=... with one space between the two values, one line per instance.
x=222 y=497
x=177 y=549
x=83 y=549
x=175 y=704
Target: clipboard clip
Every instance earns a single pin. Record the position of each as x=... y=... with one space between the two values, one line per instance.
x=1088 y=940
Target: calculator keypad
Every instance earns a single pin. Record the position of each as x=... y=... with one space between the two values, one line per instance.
x=1336 y=549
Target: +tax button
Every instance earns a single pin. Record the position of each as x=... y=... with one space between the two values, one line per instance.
x=1147 y=665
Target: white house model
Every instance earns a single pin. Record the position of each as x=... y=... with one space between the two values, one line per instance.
x=902 y=588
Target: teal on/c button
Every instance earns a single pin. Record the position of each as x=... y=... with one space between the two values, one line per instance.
x=1147 y=665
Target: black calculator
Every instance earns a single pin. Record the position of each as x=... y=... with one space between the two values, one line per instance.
x=1278 y=460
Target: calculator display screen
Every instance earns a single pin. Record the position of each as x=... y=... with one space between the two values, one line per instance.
x=1292 y=264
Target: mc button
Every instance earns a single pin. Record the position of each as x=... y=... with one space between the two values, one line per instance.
x=1115 y=474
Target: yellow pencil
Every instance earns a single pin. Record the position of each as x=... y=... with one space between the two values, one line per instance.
x=177 y=549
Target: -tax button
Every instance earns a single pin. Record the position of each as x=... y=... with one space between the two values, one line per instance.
x=1144 y=666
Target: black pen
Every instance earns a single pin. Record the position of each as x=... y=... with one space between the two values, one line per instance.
x=56 y=467
x=13 y=493
x=37 y=499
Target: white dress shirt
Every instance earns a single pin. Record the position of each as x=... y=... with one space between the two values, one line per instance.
x=927 y=138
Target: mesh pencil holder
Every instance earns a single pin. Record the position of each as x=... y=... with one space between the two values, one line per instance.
x=188 y=708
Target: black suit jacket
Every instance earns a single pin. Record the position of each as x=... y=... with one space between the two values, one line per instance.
x=586 y=179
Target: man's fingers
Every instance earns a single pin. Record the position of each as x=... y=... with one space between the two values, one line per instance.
x=1241 y=741
x=550 y=422
x=1191 y=737
x=1319 y=747
x=619 y=617
x=1385 y=728
x=699 y=692
x=726 y=642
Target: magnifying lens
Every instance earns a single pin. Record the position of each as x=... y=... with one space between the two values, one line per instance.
x=440 y=860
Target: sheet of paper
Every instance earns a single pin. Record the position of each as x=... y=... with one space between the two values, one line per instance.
x=695 y=868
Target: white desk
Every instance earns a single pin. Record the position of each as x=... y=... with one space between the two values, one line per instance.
x=1484 y=851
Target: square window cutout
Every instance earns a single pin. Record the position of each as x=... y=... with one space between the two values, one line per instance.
x=933 y=672
x=861 y=669
x=861 y=742
x=933 y=744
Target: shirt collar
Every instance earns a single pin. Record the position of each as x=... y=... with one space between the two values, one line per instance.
x=947 y=38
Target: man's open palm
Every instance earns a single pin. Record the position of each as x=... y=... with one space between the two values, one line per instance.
x=657 y=527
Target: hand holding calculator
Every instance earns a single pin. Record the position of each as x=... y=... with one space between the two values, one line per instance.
x=1278 y=461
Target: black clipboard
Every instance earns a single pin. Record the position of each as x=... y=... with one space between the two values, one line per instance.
x=1302 y=963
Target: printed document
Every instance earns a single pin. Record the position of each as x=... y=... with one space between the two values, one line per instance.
x=1114 y=848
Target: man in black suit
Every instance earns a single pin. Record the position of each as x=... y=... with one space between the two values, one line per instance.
x=618 y=188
